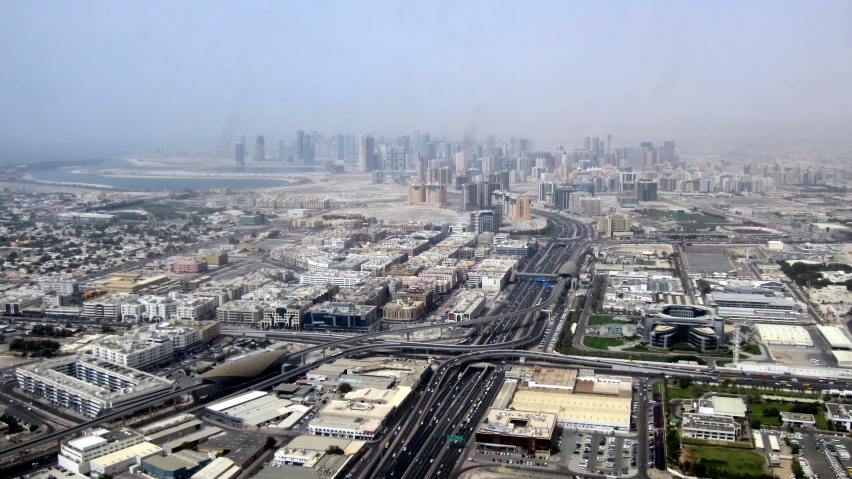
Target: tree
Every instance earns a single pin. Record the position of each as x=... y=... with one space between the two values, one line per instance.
x=334 y=450
x=684 y=382
x=106 y=476
x=188 y=446
x=672 y=446
x=798 y=472
x=345 y=388
x=33 y=427
x=270 y=441
x=755 y=423
x=771 y=412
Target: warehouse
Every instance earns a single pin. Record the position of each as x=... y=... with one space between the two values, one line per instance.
x=784 y=335
x=844 y=358
x=120 y=461
x=220 y=468
x=835 y=337
x=177 y=466
x=194 y=438
x=579 y=411
x=250 y=409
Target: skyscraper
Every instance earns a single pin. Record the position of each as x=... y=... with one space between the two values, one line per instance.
x=240 y=154
x=245 y=146
x=646 y=191
x=341 y=148
x=259 y=149
x=307 y=150
x=668 y=151
x=366 y=152
x=596 y=144
x=608 y=144
x=587 y=144
x=281 y=154
x=300 y=142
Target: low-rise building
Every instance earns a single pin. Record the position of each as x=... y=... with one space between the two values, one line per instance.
x=76 y=454
x=120 y=461
x=525 y=432
x=795 y=419
x=708 y=427
x=180 y=465
x=465 y=305
x=839 y=414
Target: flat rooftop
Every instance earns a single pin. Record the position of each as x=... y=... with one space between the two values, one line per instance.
x=586 y=408
x=531 y=424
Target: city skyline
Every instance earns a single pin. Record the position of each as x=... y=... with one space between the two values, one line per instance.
x=711 y=72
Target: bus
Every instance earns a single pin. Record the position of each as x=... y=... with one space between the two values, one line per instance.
x=773 y=444
x=758 y=441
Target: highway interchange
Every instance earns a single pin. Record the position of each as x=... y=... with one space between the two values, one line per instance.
x=457 y=395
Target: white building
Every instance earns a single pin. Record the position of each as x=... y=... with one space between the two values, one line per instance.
x=707 y=427
x=334 y=277
x=75 y=454
x=154 y=344
x=88 y=385
x=62 y=286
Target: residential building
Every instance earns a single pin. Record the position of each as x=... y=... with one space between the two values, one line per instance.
x=87 y=385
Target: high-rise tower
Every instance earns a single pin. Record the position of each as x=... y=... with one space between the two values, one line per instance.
x=259 y=149
x=366 y=153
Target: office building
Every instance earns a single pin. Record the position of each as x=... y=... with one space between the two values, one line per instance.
x=664 y=325
x=334 y=316
x=76 y=454
x=282 y=154
x=340 y=147
x=668 y=152
x=482 y=221
x=299 y=145
x=710 y=427
x=240 y=154
x=259 y=149
x=525 y=432
x=307 y=150
x=754 y=307
x=366 y=154
x=646 y=190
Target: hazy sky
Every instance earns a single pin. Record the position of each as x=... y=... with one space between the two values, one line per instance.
x=87 y=78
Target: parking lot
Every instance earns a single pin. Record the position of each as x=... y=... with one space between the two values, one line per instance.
x=598 y=453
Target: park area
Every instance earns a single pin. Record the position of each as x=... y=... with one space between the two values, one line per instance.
x=597 y=342
x=601 y=320
x=730 y=460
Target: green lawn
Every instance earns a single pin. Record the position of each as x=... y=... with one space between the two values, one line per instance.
x=600 y=320
x=600 y=343
x=745 y=329
x=733 y=460
x=729 y=445
x=756 y=412
x=674 y=392
x=657 y=387
x=159 y=210
x=753 y=349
